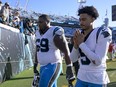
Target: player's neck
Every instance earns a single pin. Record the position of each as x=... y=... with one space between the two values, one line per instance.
x=43 y=31
x=86 y=31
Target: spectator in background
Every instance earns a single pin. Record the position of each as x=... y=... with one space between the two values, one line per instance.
x=110 y=51
x=28 y=26
x=114 y=50
x=11 y=15
x=21 y=25
x=16 y=20
x=0 y=12
x=28 y=31
x=4 y=14
x=0 y=5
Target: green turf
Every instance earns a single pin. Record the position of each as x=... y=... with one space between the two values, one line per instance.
x=24 y=79
x=111 y=69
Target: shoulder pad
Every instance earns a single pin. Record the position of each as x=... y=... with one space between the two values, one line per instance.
x=106 y=32
x=58 y=31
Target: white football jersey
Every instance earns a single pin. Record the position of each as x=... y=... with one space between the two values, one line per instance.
x=93 y=50
x=47 y=51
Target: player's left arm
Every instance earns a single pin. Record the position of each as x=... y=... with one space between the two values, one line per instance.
x=100 y=53
x=61 y=43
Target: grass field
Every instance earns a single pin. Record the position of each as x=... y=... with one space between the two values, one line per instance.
x=24 y=79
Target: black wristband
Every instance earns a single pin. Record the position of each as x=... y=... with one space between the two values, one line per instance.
x=35 y=67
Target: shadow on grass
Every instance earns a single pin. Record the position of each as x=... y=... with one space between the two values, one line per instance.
x=108 y=60
x=111 y=69
x=21 y=78
x=112 y=84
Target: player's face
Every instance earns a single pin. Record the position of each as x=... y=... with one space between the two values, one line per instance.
x=86 y=21
x=42 y=23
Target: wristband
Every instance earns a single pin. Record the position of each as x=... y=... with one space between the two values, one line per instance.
x=69 y=65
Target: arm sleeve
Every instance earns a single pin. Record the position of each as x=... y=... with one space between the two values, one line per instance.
x=74 y=55
x=100 y=53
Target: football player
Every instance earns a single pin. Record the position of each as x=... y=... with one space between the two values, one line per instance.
x=92 y=53
x=50 y=40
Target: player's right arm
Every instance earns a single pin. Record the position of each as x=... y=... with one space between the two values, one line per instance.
x=35 y=62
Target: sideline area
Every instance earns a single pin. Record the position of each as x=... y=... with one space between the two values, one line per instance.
x=24 y=79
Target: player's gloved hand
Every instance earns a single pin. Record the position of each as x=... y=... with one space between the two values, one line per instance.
x=70 y=74
x=70 y=84
x=36 y=79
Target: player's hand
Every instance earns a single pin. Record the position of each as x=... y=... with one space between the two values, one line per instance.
x=78 y=38
x=70 y=74
x=36 y=79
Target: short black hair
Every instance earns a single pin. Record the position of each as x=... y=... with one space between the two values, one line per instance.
x=45 y=17
x=90 y=10
x=6 y=3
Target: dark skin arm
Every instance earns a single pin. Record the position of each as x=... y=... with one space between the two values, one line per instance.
x=60 y=43
x=35 y=62
x=36 y=56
